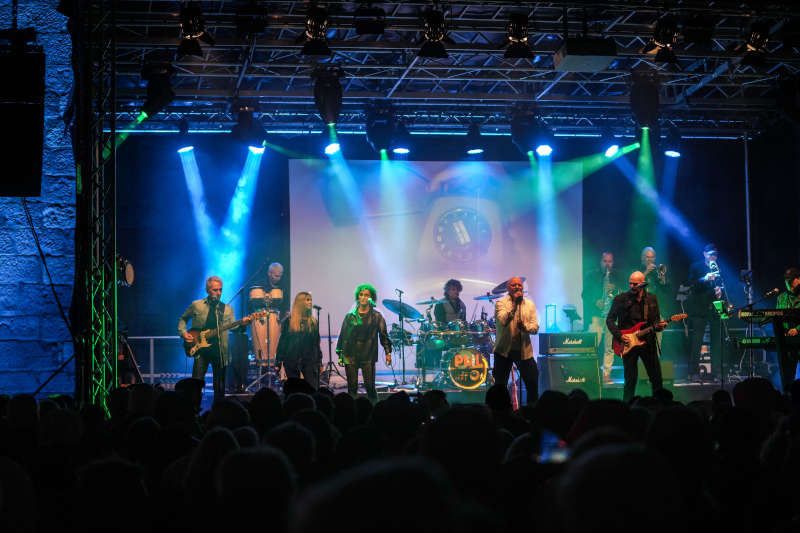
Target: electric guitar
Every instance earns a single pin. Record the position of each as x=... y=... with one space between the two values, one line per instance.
x=633 y=337
x=200 y=338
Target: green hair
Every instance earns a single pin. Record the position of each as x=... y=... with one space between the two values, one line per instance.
x=372 y=292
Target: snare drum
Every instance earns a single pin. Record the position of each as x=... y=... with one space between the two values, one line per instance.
x=466 y=368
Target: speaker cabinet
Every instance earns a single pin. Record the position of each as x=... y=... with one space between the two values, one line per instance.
x=567 y=372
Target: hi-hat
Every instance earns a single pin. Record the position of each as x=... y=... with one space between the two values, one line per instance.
x=503 y=287
x=432 y=301
x=408 y=312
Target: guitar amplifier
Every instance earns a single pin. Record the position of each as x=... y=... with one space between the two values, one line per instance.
x=567 y=372
x=563 y=343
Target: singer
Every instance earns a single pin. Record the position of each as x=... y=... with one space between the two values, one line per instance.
x=357 y=346
x=298 y=347
x=704 y=280
x=627 y=310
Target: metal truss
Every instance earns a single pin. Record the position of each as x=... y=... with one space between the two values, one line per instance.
x=708 y=91
x=96 y=239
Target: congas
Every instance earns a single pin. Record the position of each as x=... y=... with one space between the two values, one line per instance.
x=466 y=368
x=256 y=299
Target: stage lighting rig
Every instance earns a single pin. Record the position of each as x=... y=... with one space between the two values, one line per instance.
x=434 y=34
x=159 y=87
x=251 y=19
x=380 y=126
x=193 y=30
x=530 y=133
x=328 y=93
x=475 y=144
x=665 y=35
x=755 y=47
x=369 y=20
x=315 y=36
x=248 y=128
x=645 y=101
x=400 y=139
x=518 y=47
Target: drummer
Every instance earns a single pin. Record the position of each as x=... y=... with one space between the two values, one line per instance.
x=453 y=308
x=266 y=331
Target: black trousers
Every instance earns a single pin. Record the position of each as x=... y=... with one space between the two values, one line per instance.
x=200 y=368
x=310 y=370
x=649 y=357
x=698 y=325
x=528 y=371
x=368 y=372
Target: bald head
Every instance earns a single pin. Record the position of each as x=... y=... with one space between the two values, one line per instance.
x=635 y=279
x=515 y=288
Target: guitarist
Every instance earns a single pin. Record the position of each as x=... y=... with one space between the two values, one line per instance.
x=210 y=313
x=627 y=310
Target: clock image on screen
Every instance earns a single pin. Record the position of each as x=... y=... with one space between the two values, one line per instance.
x=462 y=234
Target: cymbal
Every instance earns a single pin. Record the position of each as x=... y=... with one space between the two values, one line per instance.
x=503 y=287
x=408 y=311
x=489 y=297
x=432 y=301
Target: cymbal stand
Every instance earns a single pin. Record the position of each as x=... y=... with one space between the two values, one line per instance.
x=402 y=335
x=330 y=368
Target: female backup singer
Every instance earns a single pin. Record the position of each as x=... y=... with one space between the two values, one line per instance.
x=298 y=347
x=357 y=346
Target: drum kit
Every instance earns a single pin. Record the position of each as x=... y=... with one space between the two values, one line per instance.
x=455 y=353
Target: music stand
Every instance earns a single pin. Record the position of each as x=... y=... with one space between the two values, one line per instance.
x=572 y=316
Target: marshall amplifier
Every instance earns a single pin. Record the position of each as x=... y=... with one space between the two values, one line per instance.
x=556 y=343
x=566 y=372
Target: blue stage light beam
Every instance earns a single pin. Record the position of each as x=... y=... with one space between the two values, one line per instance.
x=203 y=223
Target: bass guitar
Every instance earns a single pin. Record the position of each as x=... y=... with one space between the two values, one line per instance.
x=633 y=337
x=201 y=337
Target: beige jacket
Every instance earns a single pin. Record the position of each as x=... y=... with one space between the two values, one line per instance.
x=503 y=316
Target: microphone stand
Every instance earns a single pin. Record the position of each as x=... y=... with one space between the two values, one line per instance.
x=402 y=336
x=330 y=368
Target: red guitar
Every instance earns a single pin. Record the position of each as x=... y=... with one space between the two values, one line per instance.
x=631 y=338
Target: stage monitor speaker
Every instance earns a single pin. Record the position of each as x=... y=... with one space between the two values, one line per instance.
x=567 y=372
x=22 y=109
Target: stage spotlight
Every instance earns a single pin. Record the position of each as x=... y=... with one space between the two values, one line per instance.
x=380 y=127
x=755 y=47
x=328 y=94
x=475 y=144
x=159 y=88
x=330 y=140
x=183 y=135
x=672 y=143
x=185 y=149
x=434 y=33
x=665 y=35
x=369 y=20
x=612 y=150
x=257 y=149
x=251 y=19
x=316 y=41
x=331 y=148
x=401 y=139
x=248 y=129
x=644 y=101
x=530 y=134
x=193 y=31
x=518 y=47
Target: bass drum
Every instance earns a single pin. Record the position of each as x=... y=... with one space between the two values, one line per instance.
x=466 y=368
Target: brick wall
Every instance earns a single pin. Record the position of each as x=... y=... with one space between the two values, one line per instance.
x=33 y=338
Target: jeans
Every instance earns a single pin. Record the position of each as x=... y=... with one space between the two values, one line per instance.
x=309 y=369
x=604 y=341
x=649 y=357
x=200 y=368
x=368 y=372
x=527 y=370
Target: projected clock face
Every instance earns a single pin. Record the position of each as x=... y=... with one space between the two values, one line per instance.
x=462 y=234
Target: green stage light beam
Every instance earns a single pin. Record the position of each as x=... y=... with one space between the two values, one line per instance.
x=643 y=216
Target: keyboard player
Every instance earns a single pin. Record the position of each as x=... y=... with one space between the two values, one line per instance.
x=789 y=352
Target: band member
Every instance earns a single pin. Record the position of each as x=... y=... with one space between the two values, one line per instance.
x=210 y=313
x=627 y=310
x=516 y=322
x=357 y=346
x=453 y=308
x=298 y=347
x=704 y=281
x=266 y=331
x=599 y=288
x=790 y=299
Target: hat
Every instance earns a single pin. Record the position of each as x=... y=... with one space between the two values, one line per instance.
x=710 y=248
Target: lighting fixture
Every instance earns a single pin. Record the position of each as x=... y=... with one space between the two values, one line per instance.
x=518 y=47
x=159 y=87
x=531 y=134
x=401 y=139
x=434 y=33
x=315 y=37
x=248 y=128
x=644 y=101
x=665 y=35
x=379 y=128
x=755 y=47
x=475 y=144
x=672 y=143
x=193 y=31
x=328 y=94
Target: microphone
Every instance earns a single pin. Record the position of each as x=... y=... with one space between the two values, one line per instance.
x=773 y=291
x=317 y=307
x=372 y=302
x=642 y=285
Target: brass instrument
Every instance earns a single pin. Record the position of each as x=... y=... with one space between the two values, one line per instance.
x=661 y=272
x=608 y=293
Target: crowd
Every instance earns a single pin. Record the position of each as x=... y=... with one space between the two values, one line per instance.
x=312 y=461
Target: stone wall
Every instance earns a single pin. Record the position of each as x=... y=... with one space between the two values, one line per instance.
x=34 y=340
